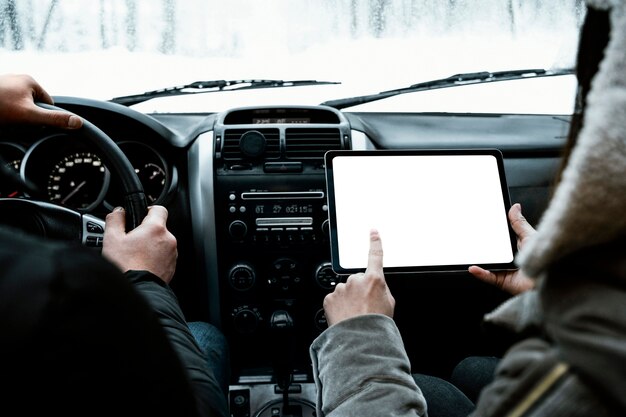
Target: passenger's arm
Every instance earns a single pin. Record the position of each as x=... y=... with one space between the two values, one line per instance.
x=359 y=364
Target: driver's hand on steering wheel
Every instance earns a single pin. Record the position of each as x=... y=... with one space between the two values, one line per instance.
x=148 y=247
x=363 y=293
x=18 y=95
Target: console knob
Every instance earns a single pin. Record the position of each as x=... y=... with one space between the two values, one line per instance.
x=241 y=277
x=326 y=227
x=284 y=274
x=320 y=320
x=246 y=319
x=238 y=229
x=326 y=277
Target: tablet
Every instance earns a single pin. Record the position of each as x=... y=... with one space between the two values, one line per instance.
x=435 y=210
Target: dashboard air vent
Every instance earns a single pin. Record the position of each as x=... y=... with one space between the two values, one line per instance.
x=232 y=151
x=311 y=143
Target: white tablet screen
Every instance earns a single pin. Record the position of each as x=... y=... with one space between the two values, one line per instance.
x=434 y=210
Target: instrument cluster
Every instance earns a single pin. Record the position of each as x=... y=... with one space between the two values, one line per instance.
x=68 y=172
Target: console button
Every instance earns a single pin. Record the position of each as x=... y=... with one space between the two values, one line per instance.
x=270 y=167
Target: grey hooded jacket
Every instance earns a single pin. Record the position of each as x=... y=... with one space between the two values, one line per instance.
x=576 y=364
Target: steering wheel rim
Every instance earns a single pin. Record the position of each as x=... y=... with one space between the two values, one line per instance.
x=52 y=218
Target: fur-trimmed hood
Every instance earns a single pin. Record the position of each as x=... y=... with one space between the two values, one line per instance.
x=589 y=204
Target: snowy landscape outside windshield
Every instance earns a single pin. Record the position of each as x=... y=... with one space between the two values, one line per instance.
x=106 y=48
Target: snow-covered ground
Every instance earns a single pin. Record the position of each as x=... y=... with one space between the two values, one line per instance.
x=88 y=51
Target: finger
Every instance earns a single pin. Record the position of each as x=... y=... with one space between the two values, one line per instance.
x=375 y=257
x=482 y=274
x=39 y=94
x=499 y=280
x=115 y=222
x=62 y=119
x=354 y=277
x=518 y=222
x=156 y=215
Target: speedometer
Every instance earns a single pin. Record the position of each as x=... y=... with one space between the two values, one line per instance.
x=79 y=181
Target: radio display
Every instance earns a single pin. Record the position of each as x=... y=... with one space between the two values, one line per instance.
x=288 y=115
x=285 y=120
x=281 y=209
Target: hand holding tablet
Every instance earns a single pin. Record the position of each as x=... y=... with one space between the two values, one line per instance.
x=439 y=210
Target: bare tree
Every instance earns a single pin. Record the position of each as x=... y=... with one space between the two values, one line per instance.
x=42 y=37
x=354 y=18
x=168 y=42
x=104 y=43
x=9 y=22
x=378 y=16
x=512 y=11
x=131 y=24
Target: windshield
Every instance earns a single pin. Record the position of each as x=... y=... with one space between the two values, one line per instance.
x=109 y=48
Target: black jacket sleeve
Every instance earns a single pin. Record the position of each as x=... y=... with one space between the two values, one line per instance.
x=78 y=338
x=211 y=400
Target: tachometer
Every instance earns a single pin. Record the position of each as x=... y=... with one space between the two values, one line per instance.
x=79 y=181
x=151 y=169
x=153 y=178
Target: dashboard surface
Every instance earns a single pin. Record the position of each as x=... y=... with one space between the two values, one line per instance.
x=247 y=201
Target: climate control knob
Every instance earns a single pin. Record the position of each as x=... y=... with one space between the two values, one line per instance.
x=246 y=319
x=326 y=277
x=238 y=230
x=241 y=277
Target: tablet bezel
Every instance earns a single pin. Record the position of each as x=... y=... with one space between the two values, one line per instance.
x=332 y=214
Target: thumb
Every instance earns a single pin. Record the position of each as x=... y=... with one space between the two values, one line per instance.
x=116 y=222
x=55 y=118
x=520 y=225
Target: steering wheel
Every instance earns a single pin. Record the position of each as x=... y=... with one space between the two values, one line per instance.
x=49 y=220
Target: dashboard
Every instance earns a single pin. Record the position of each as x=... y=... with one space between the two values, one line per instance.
x=246 y=195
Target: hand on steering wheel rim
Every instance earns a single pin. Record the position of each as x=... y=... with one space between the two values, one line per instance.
x=57 y=221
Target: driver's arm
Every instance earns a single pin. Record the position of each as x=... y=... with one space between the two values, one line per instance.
x=147 y=255
x=18 y=95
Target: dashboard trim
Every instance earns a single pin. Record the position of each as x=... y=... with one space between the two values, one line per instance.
x=202 y=203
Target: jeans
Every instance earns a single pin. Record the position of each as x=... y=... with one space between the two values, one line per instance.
x=457 y=397
x=215 y=348
x=472 y=374
x=442 y=398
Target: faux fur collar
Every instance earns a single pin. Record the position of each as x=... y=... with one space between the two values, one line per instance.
x=589 y=205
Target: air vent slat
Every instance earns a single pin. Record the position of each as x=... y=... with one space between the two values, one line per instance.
x=310 y=143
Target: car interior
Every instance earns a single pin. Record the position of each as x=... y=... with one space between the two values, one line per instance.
x=246 y=191
x=248 y=205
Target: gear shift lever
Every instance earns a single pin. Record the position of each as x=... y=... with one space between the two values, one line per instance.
x=281 y=324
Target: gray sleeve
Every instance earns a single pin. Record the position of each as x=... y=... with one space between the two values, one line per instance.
x=361 y=369
x=519 y=313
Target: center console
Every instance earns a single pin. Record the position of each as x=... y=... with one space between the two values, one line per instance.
x=271 y=227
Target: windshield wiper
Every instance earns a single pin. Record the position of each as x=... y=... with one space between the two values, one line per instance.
x=452 y=81
x=213 y=86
